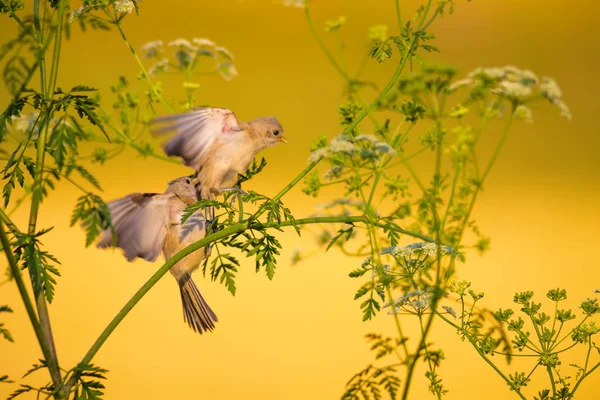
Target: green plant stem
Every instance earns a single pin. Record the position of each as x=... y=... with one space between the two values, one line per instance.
x=486 y=172
x=16 y=272
x=42 y=306
x=141 y=65
x=287 y=188
x=40 y=39
x=452 y=193
x=482 y=355
x=585 y=375
x=551 y=376
x=230 y=230
x=328 y=54
x=398 y=14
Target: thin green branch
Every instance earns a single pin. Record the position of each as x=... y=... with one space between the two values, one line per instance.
x=141 y=65
x=321 y=44
x=482 y=355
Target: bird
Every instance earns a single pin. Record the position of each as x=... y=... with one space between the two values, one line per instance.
x=216 y=145
x=144 y=224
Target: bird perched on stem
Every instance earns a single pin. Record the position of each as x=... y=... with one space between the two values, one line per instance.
x=217 y=145
x=147 y=223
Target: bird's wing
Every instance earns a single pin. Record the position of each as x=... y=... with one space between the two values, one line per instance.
x=140 y=223
x=196 y=131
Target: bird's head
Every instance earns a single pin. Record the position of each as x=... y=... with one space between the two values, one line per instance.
x=269 y=129
x=182 y=187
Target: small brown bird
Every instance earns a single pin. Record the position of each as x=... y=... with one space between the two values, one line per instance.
x=217 y=145
x=146 y=223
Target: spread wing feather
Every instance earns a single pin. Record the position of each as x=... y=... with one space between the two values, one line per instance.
x=196 y=132
x=141 y=222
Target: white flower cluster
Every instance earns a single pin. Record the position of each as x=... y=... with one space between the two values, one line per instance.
x=160 y=66
x=450 y=310
x=187 y=52
x=28 y=122
x=517 y=85
x=416 y=300
x=76 y=13
x=124 y=6
x=379 y=270
x=295 y=3
x=429 y=249
x=350 y=146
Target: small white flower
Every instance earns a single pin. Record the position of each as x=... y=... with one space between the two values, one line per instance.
x=565 y=112
x=513 y=89
x=181 y=43
x=366 y=262
x=227 y=70
x=550 y=89
x=384 y=148
x=124 y=6
x=318 y=154
x=152 y=48
x=76 y=14
x=529 y=76
x=339 y=145
x=333 y=173
x=459 y=84
x=295 y=3
x=524 y=113
x=368 y=138
x=24 y=122
x=160 y=66
x=225 y=52
x=450 y=310
x=204 y=42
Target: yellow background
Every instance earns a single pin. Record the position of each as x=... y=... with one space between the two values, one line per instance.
x=301 y=336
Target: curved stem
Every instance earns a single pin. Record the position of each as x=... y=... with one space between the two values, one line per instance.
x=482 y=355
x=141 y=65
x=330 y=56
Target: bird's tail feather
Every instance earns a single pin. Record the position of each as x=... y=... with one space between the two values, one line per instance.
x=196 y=312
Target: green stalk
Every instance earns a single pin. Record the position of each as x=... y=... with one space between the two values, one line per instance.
x=42 y=307
x=230 y=230
x=141 y=65
x=551 y=376
x=486 y=172
x=330 y=56
x=482 y=355
x=287 y=188
x=398 y=14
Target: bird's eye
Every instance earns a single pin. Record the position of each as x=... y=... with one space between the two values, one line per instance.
x=188 y=181
x=275 y=132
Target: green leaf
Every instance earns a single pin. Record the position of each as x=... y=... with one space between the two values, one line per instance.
x=381 y=51
x=93 y=214
x=345 y=234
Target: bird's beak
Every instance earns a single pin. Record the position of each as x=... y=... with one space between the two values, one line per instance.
x=195 y=181
x=282 y=139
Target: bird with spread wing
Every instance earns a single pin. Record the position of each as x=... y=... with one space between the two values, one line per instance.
x=217 y=145
x=144 y=224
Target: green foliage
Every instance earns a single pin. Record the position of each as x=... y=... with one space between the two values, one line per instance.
x=94 y=216
x=3 y=331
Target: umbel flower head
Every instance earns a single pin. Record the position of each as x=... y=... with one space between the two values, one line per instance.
x=515 y=85
x=186 y=55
